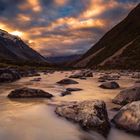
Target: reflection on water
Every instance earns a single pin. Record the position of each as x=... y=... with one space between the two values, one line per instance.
x=34 y=123
x=35 y=120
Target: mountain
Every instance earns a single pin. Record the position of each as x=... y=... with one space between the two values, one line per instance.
x=119 y=48
x=12 y=48
x=63 y=59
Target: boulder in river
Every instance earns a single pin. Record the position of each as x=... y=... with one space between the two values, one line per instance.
x=128 y=118
x=108 y=77
x=109 y=85
x=136 y=75
x=67 y=81
x=73 y=89
x=82 y=75
x=9 y=75
x=28 y=72
x=138 y=81
x=65 y=93
x=36 y=79
x=29 y=93
x=127 y=96
x=91 y=115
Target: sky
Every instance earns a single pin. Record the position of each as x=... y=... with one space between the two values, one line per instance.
x=62 y=27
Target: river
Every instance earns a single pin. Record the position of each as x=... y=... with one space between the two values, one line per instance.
x=34 y=119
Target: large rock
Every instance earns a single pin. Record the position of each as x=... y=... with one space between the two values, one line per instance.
x=9 y=75
x=67 y=82
x=109 y=85
x=29 y=93
x=128 y=118
x=73 y=89
x=82 y=74
x=108 y=77
x=36 y=79
x=91 y=115
x=127 y=96
x=138 y=81
x=29 y=73
x=136 y=75
x=65 y=93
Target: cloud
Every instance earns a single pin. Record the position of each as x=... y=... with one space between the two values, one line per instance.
x=62 y=27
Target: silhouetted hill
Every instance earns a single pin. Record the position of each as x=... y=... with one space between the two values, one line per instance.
x=118 y=48
x=13 y=48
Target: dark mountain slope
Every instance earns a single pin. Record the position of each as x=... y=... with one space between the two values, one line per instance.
x=14 y=49
x=63 y=59
x=113 y=41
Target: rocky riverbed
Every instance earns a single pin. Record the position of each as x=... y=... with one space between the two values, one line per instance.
x=35 y=119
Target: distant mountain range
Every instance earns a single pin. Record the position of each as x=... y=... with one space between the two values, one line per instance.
x=117 y=49
x=12 y=48
x=63 y=59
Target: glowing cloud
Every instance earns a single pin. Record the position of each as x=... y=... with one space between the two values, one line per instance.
x=17 y=33
x=50 y=26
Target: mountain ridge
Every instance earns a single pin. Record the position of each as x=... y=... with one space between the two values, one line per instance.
x=13 y=48
x=119 y=36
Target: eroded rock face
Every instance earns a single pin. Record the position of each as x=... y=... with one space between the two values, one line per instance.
x=67 y=82
x=128 y=118
x=127 y=96
x=91 y=115
x=109 y=85
x=29 y=93
x=9 y=75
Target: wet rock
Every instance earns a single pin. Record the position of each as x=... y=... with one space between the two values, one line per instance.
x=9 y=75
x=67 y=82
x=138 y=81
x=65 y=93
x=127 y=96
x=101 y=80
x=36 y=79
x=82 y=78
x=87 y=74
x=82 y=75
x=115 y=108
x=29 y=73
x=29 y=93
x=136 y=75
x=33 y=74
x=91 y=115
x=109 y=77
x=128 y=118
x=73 y=89
x=109 y=85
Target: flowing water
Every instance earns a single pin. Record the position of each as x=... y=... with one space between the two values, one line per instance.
x=34 y=119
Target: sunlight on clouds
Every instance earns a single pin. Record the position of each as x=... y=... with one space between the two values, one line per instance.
x=31 y=4
x=24 y=18
x=2 y=26
x=35 y=5
x=74 y=23
x=48 y=25
x=97 y=7
x=61 y=2
x=17 y=33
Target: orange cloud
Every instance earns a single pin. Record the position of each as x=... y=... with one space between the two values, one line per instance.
x=56 y=28
x=23 y=18
x=31 y=4
x=61 y=2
